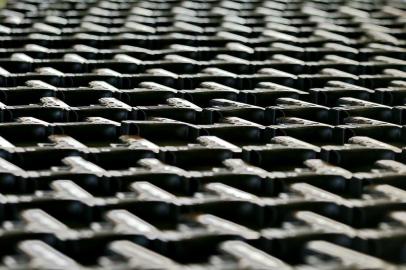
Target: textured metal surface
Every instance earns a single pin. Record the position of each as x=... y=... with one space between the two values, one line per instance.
x=202 y=134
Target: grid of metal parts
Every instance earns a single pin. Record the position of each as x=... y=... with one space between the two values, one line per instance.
x=203 y=134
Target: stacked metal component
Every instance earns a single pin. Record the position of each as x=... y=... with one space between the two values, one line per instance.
x=203 y=134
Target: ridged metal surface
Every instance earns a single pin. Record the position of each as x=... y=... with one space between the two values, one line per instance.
x=202 y=134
